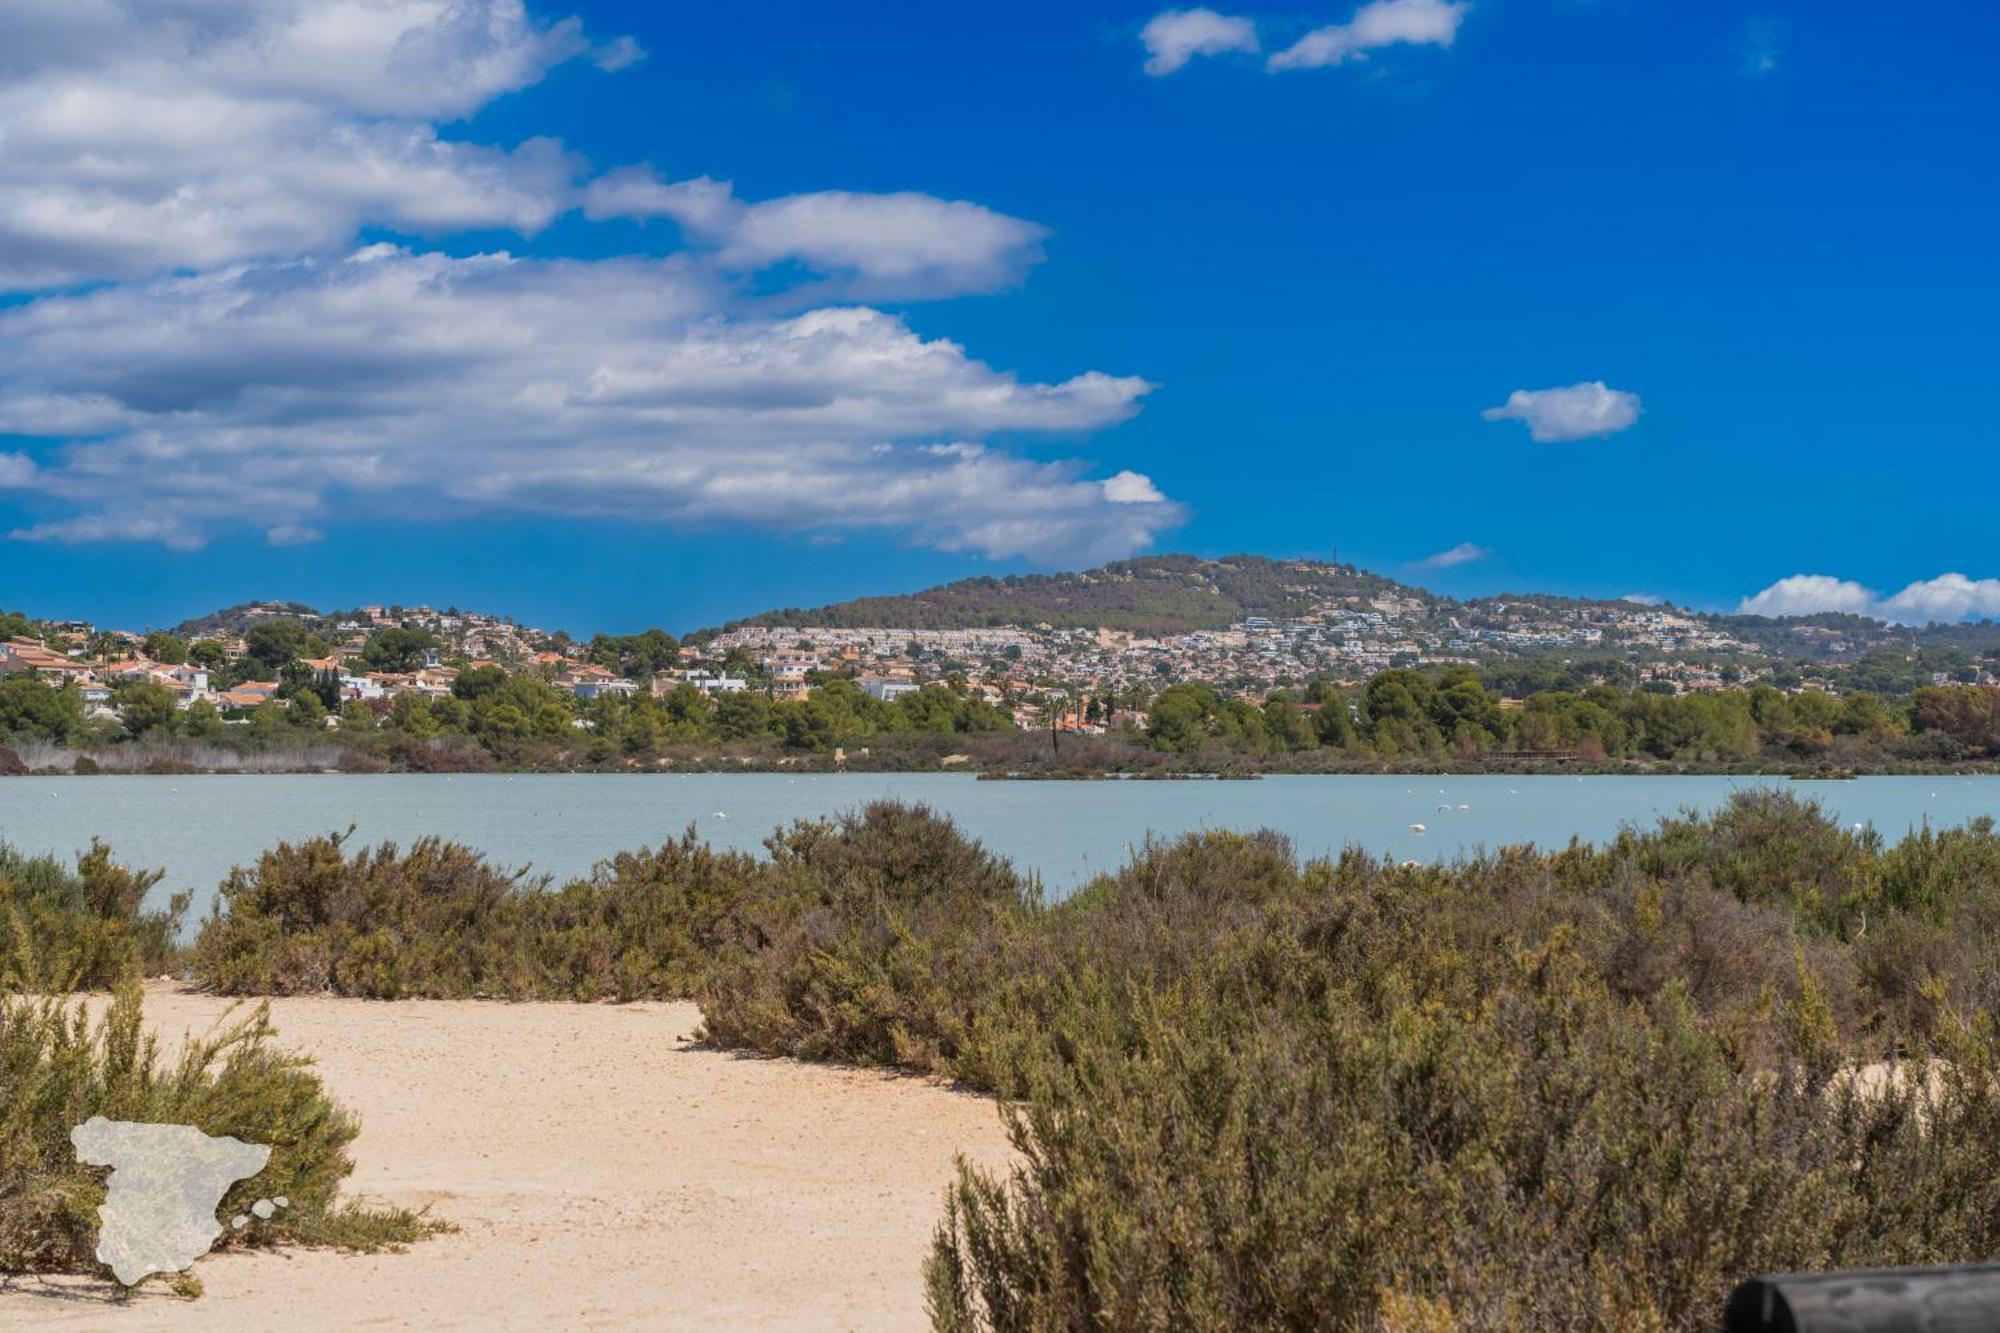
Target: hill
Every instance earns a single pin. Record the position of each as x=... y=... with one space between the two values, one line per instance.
x=1163 y=594
x=236 y=619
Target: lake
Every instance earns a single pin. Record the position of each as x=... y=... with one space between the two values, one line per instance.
x=196 y=828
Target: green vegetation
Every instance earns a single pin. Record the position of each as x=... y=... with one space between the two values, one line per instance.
x=83 y=929
x=58 y=1068
x=439 y=921
x=1586 y=1087
x=1582 y=1088
x=1455 y=716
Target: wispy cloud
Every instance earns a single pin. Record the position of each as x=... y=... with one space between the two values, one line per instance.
x=1175 y=36
x=884 y=245
x=1579 y=412
x=1947 y=598
x=1464 y=553
x=1382 y=23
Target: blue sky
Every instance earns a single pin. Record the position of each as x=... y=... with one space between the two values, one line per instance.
x=981 y=293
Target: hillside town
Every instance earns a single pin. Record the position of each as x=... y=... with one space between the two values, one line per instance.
x=372 y=656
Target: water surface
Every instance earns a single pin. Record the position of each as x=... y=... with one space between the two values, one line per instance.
x=196 y=828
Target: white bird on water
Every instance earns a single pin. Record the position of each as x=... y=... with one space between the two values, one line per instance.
x=1416 y=828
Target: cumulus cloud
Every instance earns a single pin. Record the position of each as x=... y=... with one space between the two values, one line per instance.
x=279 y=393
x=1579 y=412
x=1809 y=594
x=1946 y=598
x=184 y=180
x=1175 y=36
x=895 y=244
x=1132 y=488
x=1464 y=553
x=148 y=137
x=1381 y=23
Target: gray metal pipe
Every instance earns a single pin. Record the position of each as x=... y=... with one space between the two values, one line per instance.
x=1964 y=1298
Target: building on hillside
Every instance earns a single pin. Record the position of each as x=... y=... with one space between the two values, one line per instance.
x=21 y=656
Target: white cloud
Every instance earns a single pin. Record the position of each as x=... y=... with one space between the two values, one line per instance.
x=148 y=137
x=1809 y=594
x=1132 y=488
x=1946 y=598
x=276 y=394
x=1464 y=553
x=894 y=244
x=1644 y=599
x=1579 y=412
x=195 y=172
x=1175 y=36
x=1381 y=23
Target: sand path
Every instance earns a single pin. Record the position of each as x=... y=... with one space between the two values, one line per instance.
x=603 y=1172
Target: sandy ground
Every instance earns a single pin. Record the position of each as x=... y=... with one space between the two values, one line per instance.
x=603 y=1172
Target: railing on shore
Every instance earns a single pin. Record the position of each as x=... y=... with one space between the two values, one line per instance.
x=1962 y=1298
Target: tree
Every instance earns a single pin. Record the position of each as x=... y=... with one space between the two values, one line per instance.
x=32 y=709
x=207 y=653
x=168 y=648
x=1287 y=726
x=398 y=649
x=643 y=654
x=306 y=713
x=148 y=708
x=478 y=682
x=1180 y=716
x=744 y=715
x=274 y=644
x=201 y=720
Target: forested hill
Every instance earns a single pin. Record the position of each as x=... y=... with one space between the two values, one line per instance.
x=1162 y=594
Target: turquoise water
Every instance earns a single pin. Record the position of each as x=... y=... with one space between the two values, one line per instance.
x=196 y=828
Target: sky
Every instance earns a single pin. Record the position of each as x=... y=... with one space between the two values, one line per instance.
x=607 y=315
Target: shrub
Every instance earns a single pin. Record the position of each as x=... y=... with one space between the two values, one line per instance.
x=875 y=938
x=82 y=928
x=439 y=921
x=1548 y=1158
x=1580 y=1088
x=58 y=1069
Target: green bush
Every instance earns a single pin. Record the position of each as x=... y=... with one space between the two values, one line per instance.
x=876 y=938
x=1585 y=1088
x=81 y=928
x=1575 y=1088
x=1550 y=1157
x=58 y=1069
x=439 y=921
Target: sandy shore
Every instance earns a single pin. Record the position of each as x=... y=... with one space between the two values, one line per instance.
x=603 y=1173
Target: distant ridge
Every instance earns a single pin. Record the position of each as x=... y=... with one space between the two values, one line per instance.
x=1160 y=594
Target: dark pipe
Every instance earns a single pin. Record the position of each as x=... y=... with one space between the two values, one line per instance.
x=1964 y=1298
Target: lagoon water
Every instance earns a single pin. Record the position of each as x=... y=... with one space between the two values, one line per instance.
x=196 y=828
